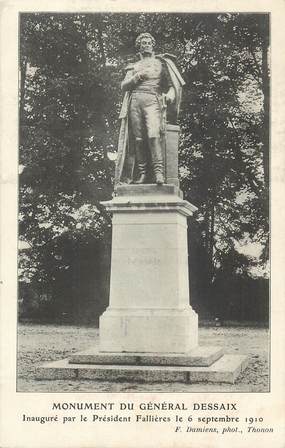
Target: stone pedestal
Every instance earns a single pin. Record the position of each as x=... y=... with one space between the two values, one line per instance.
x=149 y=307
x=171 y=154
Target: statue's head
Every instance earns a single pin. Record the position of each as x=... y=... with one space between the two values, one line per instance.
x=145 y=43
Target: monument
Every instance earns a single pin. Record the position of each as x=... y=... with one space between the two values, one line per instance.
x=149 y=331
x=149 y=274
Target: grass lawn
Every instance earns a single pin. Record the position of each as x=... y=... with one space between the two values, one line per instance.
x=38 y=344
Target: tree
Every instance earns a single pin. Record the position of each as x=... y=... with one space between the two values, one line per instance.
x=223 y=154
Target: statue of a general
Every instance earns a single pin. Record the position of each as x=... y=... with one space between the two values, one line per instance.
x=151 y=85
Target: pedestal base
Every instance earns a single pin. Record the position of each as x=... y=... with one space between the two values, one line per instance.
x=202 y=356
x=148 y=330
x=225 y=370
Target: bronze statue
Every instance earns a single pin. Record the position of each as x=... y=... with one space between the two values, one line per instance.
x=151 y=85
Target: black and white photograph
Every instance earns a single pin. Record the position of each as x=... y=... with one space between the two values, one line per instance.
x=142 y=224
x=144 y=202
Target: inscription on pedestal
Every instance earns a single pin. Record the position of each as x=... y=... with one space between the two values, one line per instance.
x=148 y=261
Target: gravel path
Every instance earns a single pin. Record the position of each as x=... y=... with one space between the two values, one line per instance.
x=41 y=343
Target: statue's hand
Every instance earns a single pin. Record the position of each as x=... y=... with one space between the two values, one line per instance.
x=170 y=96
x=140 y=76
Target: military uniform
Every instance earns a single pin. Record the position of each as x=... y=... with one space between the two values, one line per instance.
x=146 y=80
x=143 y=118
x=146 y=105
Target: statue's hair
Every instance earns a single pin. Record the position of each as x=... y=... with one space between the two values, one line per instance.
x=138 y=39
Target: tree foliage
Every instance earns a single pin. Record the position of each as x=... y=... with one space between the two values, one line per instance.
x=71 y=66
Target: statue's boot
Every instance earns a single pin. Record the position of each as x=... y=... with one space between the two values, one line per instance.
x=157 y=160
x=141 y=162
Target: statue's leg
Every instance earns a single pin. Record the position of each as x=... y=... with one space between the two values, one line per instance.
x=153 y=125
x=157 y=160
x=141 y=161
x=137 y=129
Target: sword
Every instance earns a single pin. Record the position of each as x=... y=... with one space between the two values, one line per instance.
x=163 y=113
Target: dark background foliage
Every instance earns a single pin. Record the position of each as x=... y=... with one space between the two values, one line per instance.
x=71 y=66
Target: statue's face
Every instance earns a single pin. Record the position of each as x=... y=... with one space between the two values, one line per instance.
x=146 y=45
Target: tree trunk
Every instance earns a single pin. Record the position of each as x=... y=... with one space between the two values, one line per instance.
x=207 y=227
x=211 y=242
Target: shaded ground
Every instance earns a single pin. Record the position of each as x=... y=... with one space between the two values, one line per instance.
x=38 y=344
